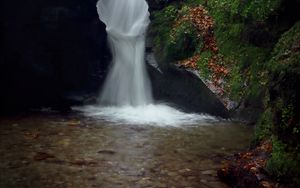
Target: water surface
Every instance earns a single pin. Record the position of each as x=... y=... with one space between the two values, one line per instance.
x=54 y=150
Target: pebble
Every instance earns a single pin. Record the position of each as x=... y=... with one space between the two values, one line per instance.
x=208 y=172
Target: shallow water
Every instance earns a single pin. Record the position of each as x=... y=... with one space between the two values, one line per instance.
x=54 y=150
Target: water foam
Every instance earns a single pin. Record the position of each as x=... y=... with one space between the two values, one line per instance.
x=154 y=115
x=127 y=89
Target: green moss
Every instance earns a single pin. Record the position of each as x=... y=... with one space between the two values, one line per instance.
x=284 y=74
x=232 y=19
x=245 y=60
x=286 y=54
x=236 y=84
x=161 y=27
x=283 y=68
x=287 y=114
x=203 y=64
x=252 y=10
x=260 y=10
x=174 y=43
x=263 y=129
x=183 y=42
x=284 y=164
x=247 y=75
x=195 y=2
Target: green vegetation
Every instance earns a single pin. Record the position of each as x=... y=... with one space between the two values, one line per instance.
x=203 y=64
x=284 y=163
x=284 y=74
x=263 y=129
x=262 y=57
x=286 y=54
x=173 y=46
x=183 y=43
x=232 y=20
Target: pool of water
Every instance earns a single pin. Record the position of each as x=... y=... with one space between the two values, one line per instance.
x=72 y=150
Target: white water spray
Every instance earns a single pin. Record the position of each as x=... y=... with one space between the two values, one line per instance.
x=126 y=23
x=126 y=96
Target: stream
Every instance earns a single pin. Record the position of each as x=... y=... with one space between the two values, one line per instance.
x=48 y=149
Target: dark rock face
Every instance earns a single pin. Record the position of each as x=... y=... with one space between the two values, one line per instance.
x=158 y=4
x=249 y=109
x=186 y=91
x=50 y=49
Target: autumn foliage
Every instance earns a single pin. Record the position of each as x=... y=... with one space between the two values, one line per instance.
x=191 y=62
x=248 y=166
x=204 y=25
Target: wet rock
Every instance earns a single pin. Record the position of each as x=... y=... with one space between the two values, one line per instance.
x=157 y=5
x=246 y=170
x=203 y=181
x=25 y=162
x=172 y=174
x=185 y=90
x=82 y=162
x=109 y=152
x=208 y=172
x=160 y=185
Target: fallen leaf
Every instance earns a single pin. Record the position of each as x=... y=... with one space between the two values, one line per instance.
x=31 y=135
x=40 y=156
x=266 y=184
x=74 y=123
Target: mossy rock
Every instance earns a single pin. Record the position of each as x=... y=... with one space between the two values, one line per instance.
x=286 y=54
x=284 y=76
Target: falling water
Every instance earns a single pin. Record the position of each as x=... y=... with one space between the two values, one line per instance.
x=126 y=97
x=126 y=23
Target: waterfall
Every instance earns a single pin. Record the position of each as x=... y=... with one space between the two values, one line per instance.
x=126 y=96
x=127 y=83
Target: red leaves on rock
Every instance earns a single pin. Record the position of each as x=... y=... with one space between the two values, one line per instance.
x=204 y=24
x=190 y=63
x=217 y=69
x=200 y=19
x=249 y=164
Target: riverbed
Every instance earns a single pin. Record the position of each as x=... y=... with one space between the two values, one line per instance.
x=50 y=149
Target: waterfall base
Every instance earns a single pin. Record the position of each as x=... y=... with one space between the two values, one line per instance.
x=154 y=115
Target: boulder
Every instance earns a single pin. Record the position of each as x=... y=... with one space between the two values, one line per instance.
x=185 y=91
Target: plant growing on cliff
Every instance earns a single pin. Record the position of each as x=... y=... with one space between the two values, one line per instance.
x=283 y=67
x=206 y=57
x=284 y=164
